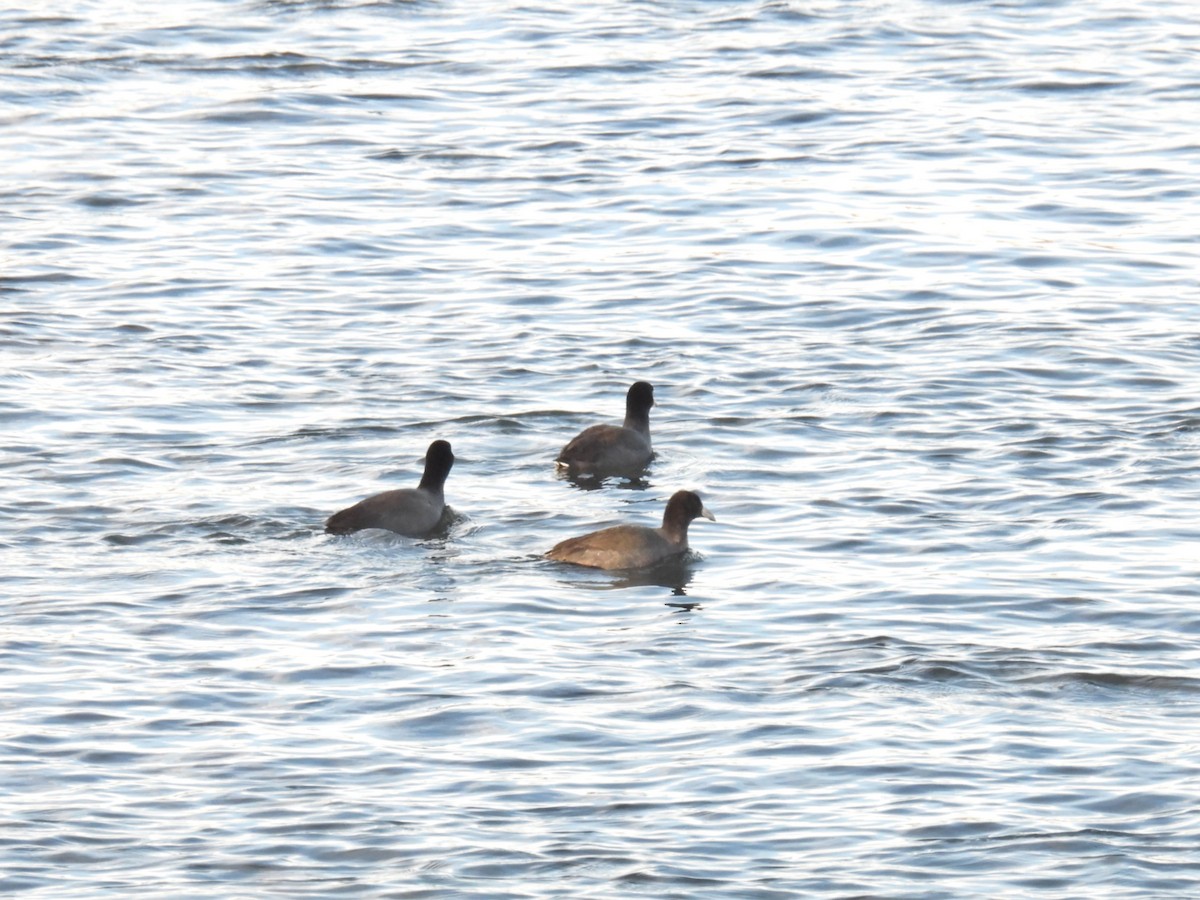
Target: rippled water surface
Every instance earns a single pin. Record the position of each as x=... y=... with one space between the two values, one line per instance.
x=917 y=287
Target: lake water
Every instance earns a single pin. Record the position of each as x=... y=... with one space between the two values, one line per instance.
x=918 y=287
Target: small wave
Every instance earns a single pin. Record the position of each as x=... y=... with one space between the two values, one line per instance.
x=1166 y=684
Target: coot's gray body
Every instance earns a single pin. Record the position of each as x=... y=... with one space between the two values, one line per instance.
x=614 y=449
x=635 y=546
x=413 y=512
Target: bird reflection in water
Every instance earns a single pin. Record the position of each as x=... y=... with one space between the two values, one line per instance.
x=592 y=483
x=675 y=574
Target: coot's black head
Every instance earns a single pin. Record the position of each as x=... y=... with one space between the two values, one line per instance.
x=682 y=508
x=438 y=460
x=640 y=397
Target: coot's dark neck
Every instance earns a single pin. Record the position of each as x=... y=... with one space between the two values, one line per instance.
x=438 y=461
x=638 y=419
x=675 y=523
x=434 y=479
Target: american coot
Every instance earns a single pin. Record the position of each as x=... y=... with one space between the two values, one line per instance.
x=413 y=512
x=614 y=449
x=631 y=546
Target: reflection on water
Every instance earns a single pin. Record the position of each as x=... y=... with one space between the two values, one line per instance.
x=676 y=574
x=609 y=482
x=686 y=607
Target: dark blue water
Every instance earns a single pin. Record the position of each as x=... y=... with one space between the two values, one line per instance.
x=916 y=284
